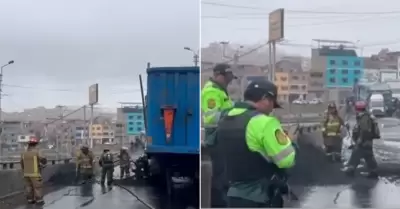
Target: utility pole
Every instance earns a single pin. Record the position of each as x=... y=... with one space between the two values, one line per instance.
x=91 y=125
x=235 y=65
x=85 y=127
x=61 y=116
x=1 y=109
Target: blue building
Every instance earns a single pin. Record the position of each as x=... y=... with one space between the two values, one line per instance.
x=134 y=122
x=343 y=71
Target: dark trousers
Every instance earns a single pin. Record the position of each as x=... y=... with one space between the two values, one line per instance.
x=124 y=171
x=107 y=173
x=235 y=202
x=366 y=153
x=333 y=144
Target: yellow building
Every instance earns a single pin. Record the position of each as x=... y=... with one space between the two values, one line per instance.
x=102 y=133
x=282 y=82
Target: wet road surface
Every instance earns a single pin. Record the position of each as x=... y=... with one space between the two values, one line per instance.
x=319 y=183
x=95 y=196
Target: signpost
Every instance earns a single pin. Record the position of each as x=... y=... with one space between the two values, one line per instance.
x=93 y=99
x=276 y=34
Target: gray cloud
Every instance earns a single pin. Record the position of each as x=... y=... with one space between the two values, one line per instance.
x=72 y=44
x=249 y=26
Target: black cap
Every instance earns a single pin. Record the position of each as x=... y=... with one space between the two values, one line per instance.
x=257 y=90
x=223 y=69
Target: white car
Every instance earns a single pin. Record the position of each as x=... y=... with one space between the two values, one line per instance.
x=299 y=101
x=315 y=101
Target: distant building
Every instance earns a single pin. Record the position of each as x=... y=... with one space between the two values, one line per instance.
x=102 y=131
x=130 y=122
x=282 y=83
x=335 y=68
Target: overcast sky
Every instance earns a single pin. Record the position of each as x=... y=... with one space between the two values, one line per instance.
x=71 y=44
x=232 y=22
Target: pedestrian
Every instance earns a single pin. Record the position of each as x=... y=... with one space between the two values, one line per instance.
x=125 y=162
x=331 y=131
x=106 y=163
x=364 y=132
x=84 y=164
x=255 y=150
x=32 y=162
x=214 y=99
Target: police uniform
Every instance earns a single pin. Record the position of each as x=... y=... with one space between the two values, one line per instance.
x=32 y=162
x=85 y=163
x=331 y=130
x=215 y=99
x=124 y=160
x=255 y=150
x=106 y=163
x=363 y=136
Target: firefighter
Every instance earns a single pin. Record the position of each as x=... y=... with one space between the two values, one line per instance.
x=125 y=161
x=84 y=163
x=331 y=131
x=364 y=132
x=32 y=162
x=214 y=99
x=255 y=149
x=106 y=163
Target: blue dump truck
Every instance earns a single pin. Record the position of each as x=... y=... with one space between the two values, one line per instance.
x=172 y=125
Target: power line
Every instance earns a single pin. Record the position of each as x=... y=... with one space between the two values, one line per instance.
x=300 y=11
x=64 y=116
x=350 y=20
x=244 y=54
x=31 y=87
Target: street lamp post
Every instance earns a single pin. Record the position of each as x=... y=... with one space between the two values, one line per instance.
x=195 y=55
x=1 y=109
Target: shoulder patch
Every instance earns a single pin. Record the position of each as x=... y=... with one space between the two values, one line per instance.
x=211 y=103
x=281 y=137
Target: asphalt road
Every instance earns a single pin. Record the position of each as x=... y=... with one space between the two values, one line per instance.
x=94 y=196
x=320 y=183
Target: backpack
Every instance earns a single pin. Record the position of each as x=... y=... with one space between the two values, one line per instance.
x=375 y=132
x=108 y=158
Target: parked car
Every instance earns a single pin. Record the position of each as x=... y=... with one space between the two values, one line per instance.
x=315 y=101
x=300 y=101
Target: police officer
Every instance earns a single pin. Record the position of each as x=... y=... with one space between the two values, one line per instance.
x=84 y=163
x=364 y=132
x=255 y=149
x=214 y=99
x=106 y=163
x=32 y=163
x=331 y=131
x=124 y=160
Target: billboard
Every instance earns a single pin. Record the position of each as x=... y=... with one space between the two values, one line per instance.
x=94 y=94
x=276 y=25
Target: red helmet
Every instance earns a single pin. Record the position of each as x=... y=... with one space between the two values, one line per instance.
x=33 y=140
x=360 y=105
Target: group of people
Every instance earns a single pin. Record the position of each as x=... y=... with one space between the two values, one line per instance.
x=363 y=133
x=251 y=152
x=32 y=163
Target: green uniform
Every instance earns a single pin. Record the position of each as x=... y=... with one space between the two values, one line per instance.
x=363 y=136
x=214 y=99
x=265 y=138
